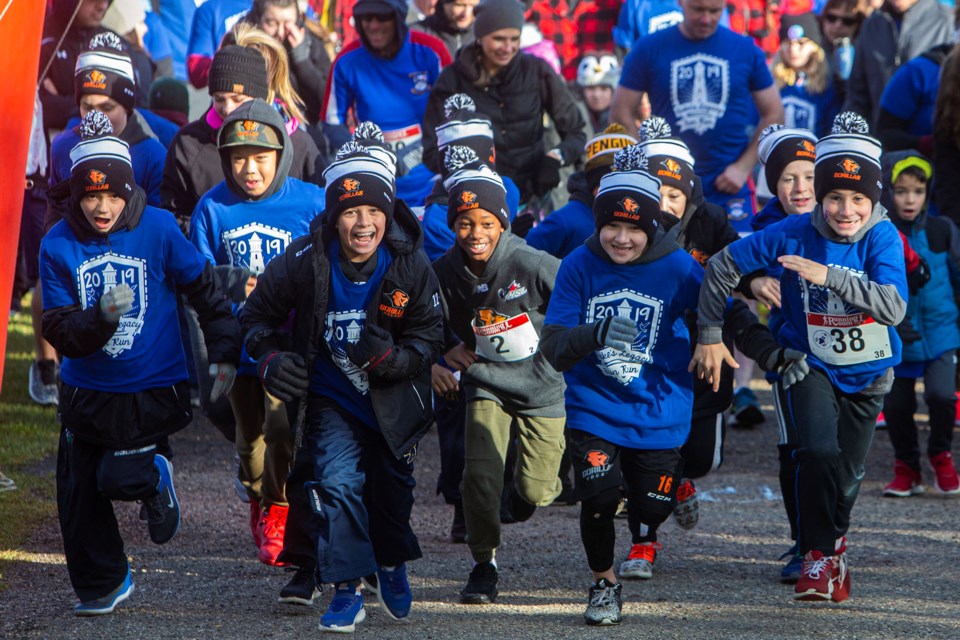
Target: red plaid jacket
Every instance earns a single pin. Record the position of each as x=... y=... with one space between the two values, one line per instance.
x=588 y=27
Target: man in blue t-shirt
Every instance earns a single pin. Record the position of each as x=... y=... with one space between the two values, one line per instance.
x=715 y=90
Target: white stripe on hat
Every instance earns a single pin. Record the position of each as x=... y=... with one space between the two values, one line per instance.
x=668 y=147
x=840 y=144
x=638 y=181
x=770 y=141
x=368 y=165
x=482 y=174
x=118 y=64
x=107 y=148
x=451 y=132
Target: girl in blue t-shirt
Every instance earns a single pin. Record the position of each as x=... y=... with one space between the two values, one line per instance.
x=842 y=292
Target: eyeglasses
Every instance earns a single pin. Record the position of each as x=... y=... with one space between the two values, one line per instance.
x=379 y=17
x=847 y=21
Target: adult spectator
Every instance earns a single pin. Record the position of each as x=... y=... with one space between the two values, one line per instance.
x=840 y=22
x=212 y=20
x=515 y=90
x=946 y=141
x=419 y=10
x=896 y=33
x=384 y=76
x=452 y=23
x=706 y=82
x=309 y=62
x=575 y=27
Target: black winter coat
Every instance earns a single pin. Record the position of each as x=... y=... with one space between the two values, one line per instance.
x=515 y=101
x=309 y=68
x=299 y=281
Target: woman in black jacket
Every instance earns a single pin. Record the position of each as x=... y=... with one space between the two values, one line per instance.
x=366 y=328
x=515 y=90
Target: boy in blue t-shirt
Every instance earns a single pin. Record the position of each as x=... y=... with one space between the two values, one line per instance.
x=842 y=291
x=240 y=225
x=616 y=328
x=111 y=271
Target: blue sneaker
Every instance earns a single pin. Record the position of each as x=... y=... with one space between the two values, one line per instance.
x=791 y=571
x=345 y=610
x=393 y=591
x=162 y=511
x=106 y=604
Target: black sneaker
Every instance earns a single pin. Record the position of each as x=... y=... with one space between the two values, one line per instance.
x=605 y=604
x=302 y=588
x=481 y=585
x=162 y=511
x=520 y=508
x=458 y=530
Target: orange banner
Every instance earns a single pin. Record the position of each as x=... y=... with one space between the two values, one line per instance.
x=21 y=23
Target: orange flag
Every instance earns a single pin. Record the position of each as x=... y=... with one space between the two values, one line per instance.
x=21 y=23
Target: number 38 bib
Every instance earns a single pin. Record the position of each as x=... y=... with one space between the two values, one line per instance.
x=840 y=334
x=506 y=339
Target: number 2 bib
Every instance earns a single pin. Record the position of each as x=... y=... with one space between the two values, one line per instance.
x=508 y=340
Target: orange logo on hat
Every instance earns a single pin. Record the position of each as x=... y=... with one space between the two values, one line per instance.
x=672 y=165
x=250 y=125
x=469 y=200
x=808 y=146
x=239 y=88
x=850 y=166
x=350 y=188
x=96 y=177
x=629 y=210
x=806 y=150
x=629 y=205
x=95 y=80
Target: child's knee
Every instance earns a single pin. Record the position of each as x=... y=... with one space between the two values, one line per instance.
x=601 y=507
x=536 y=491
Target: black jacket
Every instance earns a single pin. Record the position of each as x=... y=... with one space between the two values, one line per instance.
x=193 y=166
x=299 y=281
x=309 y=68
x=124 y=420
x=515 y=101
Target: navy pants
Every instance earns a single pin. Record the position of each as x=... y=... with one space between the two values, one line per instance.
x=89 y=477
x=364 y=496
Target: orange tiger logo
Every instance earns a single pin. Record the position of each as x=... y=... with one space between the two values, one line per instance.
x=808 y=146
x=250 y=125
x=97 y=76
x=399 y=299
x=485 y=316
x=468 y=197
x=349 y=185
x=672 y=165
x=630 y=205
x=850 y=166
x=597 y=458
x=96 y=177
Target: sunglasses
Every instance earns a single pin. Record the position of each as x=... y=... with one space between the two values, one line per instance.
x=846 y=20
x=379 y=17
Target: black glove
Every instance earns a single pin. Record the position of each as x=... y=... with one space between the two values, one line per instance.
x=918 y=277
x=908 y=332
x=375 y=352
x=284 y=375
x=522 y=224
x=548 y=175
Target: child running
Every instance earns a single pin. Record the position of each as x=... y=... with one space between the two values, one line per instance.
x=842 y=291
x=111 y=272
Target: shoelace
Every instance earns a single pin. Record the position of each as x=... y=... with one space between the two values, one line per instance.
x=646 y=552
x=272 y=526
x=815 y=567
x=343 y=600
x=393 y=580
x=155 y=510
x=603 y=597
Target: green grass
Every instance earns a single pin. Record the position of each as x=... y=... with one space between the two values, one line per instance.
x=28 y=434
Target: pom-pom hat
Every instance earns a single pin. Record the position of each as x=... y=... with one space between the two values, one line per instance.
x=463 y=126
x=100 y=162
x=473 y=185
x=849 y=158
x=669 y=157
x=364 y=173
x=779 y=146
x=106 y=70
x=629 y=194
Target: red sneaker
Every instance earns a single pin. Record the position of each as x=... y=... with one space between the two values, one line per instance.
x=255 y=523
x=945 y=474
x=881 y=421
x=273 y=523
x=816 y=578
x=907 y=481
x=687 y=511
x=840 y=578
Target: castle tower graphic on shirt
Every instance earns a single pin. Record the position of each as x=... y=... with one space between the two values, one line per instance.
x=699 y=90
x=252 y=246
x=97 y=276
x=645 y=311
x=799 y=113
x=340 y=329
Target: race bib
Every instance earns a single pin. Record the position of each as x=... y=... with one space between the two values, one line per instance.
x=847 y=339
x=506 y=339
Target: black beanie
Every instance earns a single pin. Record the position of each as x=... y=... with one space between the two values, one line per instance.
x=100 y=161
x=779 y=146
x=473 y=185
x=669 y=158
x=493 y=15
x=106 y=70
x=848 y=158
x=364 y=173
x=803 y=25
x=463 y=126
x=629 y=194
x=240 y=70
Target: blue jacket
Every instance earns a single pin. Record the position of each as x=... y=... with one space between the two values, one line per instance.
x=566 y=228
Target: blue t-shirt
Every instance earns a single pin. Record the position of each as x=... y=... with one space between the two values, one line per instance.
x=839 y=339
x=641 y=399
x=638 y=18
x=147 y=157
x=563 y=230
x=334 y=376
x=146 y=351
x=703 y=88
x=173 y=15
x=911 y=94
x=211 y=21
x=811 y=111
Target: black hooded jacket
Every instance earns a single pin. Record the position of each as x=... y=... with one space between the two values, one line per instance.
x=299 y=281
